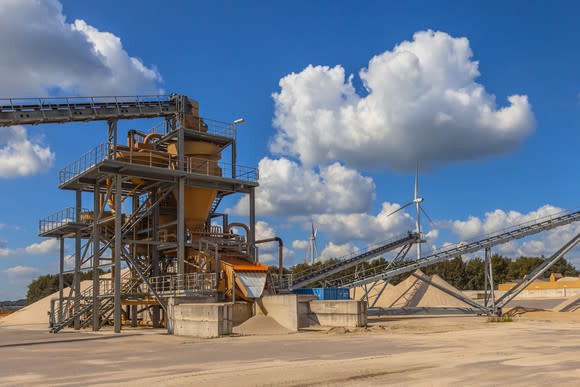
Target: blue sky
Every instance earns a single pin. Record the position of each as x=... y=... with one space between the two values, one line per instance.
x=232 y=56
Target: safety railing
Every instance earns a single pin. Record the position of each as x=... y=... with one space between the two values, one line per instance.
x=156 y=159
x=84 y=163
x=283 y=281
x=220 y=168
x=175 y=284
x=320 y=267
x=62 y=218
x=212 y=127
x=494 y=238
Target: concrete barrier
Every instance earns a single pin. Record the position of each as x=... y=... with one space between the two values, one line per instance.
x=201 y=320
x=242 y=311
x=282 y=307
x=339 y=313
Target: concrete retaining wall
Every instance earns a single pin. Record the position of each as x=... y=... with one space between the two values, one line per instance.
x=201 y=320
x=283 y=308
x=242 y=311
x=339 y=313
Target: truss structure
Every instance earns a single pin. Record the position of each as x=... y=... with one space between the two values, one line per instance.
x=135 y=226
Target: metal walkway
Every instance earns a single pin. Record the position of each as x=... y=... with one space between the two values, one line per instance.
x=32 y=111
x=353 y=260
x=498 y=238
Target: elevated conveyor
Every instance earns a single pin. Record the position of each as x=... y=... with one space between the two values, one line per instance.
x=33 y=111
x=353 y=260
x=498 y=238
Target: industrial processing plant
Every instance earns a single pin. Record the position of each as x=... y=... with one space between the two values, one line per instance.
x=289 y=194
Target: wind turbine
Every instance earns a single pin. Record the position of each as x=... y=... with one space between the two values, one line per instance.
x=312 y=252
x=417 y=200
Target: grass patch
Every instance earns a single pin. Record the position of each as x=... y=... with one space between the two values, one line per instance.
x=500 y=319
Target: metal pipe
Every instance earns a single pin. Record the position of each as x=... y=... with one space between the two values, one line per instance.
x=280 y=251
x=241 y=225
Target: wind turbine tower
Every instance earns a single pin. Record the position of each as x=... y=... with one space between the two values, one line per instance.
x=417 y=200
x=312 y=252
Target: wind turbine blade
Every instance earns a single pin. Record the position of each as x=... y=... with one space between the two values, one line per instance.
x=315 y=232
x=427 y=215
x=400 y=208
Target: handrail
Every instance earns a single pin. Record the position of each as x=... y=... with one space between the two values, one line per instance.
x=491 y=239
x=193 y=165
x=62 y=218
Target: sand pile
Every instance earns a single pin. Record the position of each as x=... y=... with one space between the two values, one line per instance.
x=260 y=325
x=412 y=292
x=37 y=313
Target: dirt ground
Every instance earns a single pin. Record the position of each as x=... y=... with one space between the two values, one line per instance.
x=539 y=347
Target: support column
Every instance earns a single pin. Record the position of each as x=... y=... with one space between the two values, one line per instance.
x=489 y=281
x=96 y=257
x=155 y=254
x=133 y=316
x=234 y=162
x=252 y=225
x=181 y=227
x=117 y=253
x=61 y=281
x=112 y=138
x=77 y=273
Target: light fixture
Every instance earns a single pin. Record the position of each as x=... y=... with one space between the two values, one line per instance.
x=239 y=121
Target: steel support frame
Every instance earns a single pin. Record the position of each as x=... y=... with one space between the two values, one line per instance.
x=535 y=274
x=96 y=256
x=488 y=286
x=252 y=225
x=61 y=280
x=77 y=274
x=118 y=181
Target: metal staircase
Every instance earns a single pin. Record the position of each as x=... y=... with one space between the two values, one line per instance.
x=520 y=231
x=106 y=304
x=353 y=260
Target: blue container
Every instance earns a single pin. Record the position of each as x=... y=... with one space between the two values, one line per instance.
x=325 y=293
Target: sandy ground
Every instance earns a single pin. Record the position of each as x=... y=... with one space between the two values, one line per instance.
x=536 y=348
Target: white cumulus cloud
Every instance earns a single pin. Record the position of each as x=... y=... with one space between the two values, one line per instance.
x=47 y=246
x=333 y=250
x=288 y=188
x=545 y=243
x=43 y=53
x=365 y=227
x=21 y=271
x=21 y=155
x=421 y=103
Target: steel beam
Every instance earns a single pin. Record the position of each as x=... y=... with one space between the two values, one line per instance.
x=61 y=281
x=117 y=254
x=77 y=274
x=96 y=257
x=541 y=269
x=252 y=225
x=181 y=227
